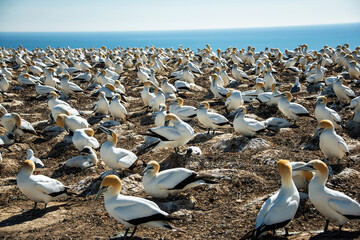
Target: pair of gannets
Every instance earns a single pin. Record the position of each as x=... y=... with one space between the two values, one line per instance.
x=114 y=157
x=39 y=188
x=12 y=122
x=211 y=120
x=175 y=133
x=332 y=204
x=278 y=210
x=165 y=183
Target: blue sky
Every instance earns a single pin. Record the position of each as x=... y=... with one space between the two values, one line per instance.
x=118 y=15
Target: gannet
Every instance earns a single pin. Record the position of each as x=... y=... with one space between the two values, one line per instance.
x=6 y=72
x=187 y=75
x=83 y=77
x=102 y=105
x=30 y=156
x=175 y=133
x=247 y=127
x=278 y=210
x=168 y=89
x=24 y=79
x=249 y=95
x=142 y=75
x=146 y=95
x=322 y=112
x=12 y=122
x=171 y=181
x=114 y=157
x=342 y=92
x=71 y=122
x=330 y=203
x=39 y=188
x=211 y=120
x=159 y=98
x=69 y=87
x=84 y=137
x=317 y=77
x=185 y=113
x=331 y=144
x=54 y=100
x=117 y=109
x=234 y=100
x=269 y=98
x=86 y=160
x=182 y=85
x=50 y=80
x=153 y=79
x=355 y=104
x=160 y=116
x=269 y=79
x=7 y=139
x=4 y=84
x=131 y=211
x=290 y=109
x=238 y=74
x=62 y=108
x=36 y=70
x=296 y=87
x=276 y=122
x=354 y=70
x=218 y=91
x=44 y=90
x=108 y=89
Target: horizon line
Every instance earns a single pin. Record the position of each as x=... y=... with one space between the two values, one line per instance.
x=175 y=30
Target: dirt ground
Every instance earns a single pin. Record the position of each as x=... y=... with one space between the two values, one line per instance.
x=246 y=171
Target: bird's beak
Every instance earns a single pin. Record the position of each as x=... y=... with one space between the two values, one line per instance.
x=105 y=130
x=306 y=167
x=101 y=190
x=145 y=169
x=167 y=123
x=317 y=133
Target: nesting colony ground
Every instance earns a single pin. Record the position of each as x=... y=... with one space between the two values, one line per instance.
x=245 y=168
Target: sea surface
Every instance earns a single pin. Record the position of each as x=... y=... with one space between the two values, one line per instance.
x=276 y=37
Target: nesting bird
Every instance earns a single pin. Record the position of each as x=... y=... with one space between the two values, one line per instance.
x=171 y=181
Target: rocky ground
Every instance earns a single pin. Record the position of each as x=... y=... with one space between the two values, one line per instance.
x=245 y=169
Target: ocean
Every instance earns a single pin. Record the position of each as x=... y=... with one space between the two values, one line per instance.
x=276 y=37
